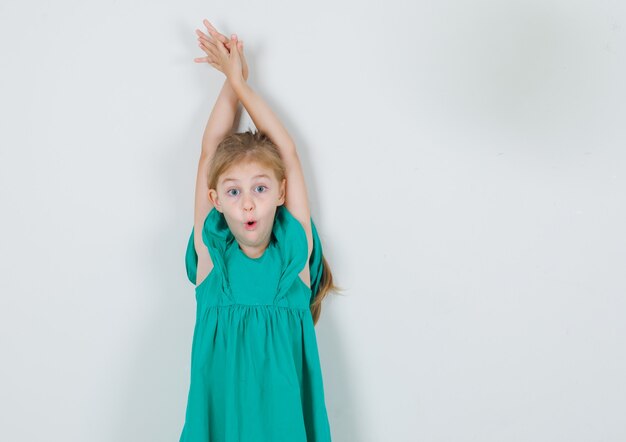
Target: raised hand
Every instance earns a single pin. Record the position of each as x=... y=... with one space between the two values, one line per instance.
x=213 y=45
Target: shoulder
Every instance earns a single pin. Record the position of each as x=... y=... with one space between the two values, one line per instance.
x=291 y=238
x=289 y=228
x=206 y=246
x=301 y=243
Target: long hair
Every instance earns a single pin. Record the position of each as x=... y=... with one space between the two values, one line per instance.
x=257 y=147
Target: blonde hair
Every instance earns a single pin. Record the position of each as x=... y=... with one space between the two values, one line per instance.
x=249 y=146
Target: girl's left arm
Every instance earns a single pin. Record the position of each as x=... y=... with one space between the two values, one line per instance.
x=296 y=198
x=266 y=121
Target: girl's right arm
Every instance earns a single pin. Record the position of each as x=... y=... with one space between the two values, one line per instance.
x=219 y=125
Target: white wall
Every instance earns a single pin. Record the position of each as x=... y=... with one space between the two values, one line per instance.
x=466 y=169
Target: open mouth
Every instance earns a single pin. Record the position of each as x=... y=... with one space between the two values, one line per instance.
x=250 y=225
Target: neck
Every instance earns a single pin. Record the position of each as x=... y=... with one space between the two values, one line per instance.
x=253 y=252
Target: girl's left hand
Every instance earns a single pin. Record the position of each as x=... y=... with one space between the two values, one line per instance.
x=226 y=62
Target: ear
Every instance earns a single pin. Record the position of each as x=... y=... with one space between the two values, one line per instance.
x=212 y=194
x=281 y=192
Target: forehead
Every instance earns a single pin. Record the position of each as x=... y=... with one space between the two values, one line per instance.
x=247 y=172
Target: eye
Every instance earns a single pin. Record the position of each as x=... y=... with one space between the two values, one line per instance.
x=228 y=192
x=261 y=186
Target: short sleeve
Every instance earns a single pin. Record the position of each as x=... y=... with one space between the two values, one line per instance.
x=292 y=243
x=216 y=236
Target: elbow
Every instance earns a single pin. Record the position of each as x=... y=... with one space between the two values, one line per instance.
x=288 y=150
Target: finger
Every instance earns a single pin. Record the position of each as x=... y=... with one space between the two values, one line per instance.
x=203 y=36
x=220 y=37
x=213 y=41
x=209 y=48
x=204 y=47
x=219 y=41
x=233 y=44
x=205 y=41
x=237 y=42
x=208 y=24
x=206 y=37
x=210 y=60
x=210 y=27
x=221 y=47
x=233 y=40
x=216 y=35
x=209 y=42
x=199 y=33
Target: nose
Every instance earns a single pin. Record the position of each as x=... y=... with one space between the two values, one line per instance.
x=248 y=203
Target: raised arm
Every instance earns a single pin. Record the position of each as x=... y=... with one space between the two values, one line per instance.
x=266 y=121
x=296 y=198
x=219 y=125
x=264 y=118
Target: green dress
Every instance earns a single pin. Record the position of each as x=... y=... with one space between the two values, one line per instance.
x=255 y=367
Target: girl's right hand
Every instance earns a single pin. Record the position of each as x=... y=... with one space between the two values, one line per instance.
x=204 y=42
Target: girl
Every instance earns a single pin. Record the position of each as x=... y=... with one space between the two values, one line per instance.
x=256 y=260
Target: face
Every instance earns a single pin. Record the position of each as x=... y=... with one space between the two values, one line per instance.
x=249 y=192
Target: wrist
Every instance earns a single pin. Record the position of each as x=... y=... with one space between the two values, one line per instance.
x=238 y=84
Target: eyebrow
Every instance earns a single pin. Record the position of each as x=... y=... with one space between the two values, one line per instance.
x=261 y=175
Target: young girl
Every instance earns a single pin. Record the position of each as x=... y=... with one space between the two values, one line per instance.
x=256 y=260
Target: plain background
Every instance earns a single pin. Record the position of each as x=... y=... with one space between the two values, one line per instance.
x=466 y=170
